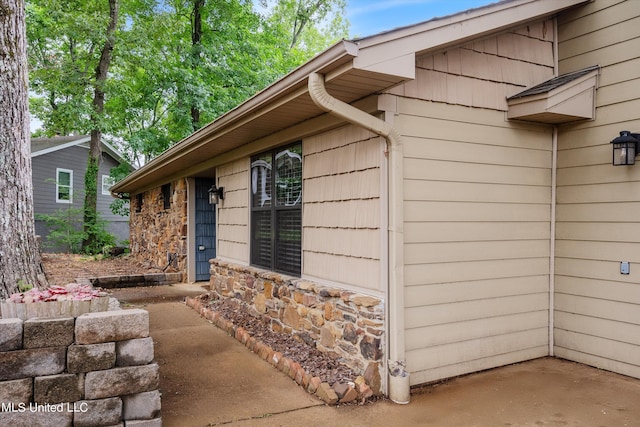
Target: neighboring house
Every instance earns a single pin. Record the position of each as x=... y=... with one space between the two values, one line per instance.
x=59 y=165
x=459 y=209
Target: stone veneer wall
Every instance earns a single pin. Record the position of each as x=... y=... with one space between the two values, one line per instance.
x=337 y=321
x=156 y=232
x=94 y=370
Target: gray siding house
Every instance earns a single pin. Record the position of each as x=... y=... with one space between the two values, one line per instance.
x=59 y=166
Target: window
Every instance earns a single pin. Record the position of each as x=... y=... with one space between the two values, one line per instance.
x=107 y=182
x=139 y=200
x=276 y=209
x=64 y=186
x=166 y=196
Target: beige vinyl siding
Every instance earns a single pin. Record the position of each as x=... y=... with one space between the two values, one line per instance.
x=233 y=212
x=477 y=223
x=341 y=239
x=597 y=318
x=484 y=73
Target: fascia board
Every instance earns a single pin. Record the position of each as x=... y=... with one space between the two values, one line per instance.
x=61 y=146
x=456 y=29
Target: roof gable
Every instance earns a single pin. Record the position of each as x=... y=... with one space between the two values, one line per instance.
x=43 y=146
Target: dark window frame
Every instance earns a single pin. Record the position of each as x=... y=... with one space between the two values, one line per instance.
x=139 y=202
x=166 y=196
x=276 y=216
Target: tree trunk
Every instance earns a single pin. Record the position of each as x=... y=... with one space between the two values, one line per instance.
x=90 y=242
x=19 y=254
x=196 y=49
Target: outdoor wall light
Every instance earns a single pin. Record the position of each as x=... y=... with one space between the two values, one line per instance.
x=625 y=148
x=215 y=194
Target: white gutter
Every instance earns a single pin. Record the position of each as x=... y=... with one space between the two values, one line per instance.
x=398 y=377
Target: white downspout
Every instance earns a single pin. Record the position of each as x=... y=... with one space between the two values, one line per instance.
x=399 y=385
x=552 y=240
x=554 y=170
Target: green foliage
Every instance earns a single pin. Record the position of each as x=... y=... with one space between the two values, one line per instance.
x=119 y=206
x=101 y=237
x=160 y=72
x=65 y=229
x=23 y=286
x=90 y=218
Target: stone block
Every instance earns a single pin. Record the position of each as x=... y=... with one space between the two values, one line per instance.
x=16 y=391
x=91 y=357
x=23 y=416
x=120 y=325
x=370 y=348
x=47 y=332
x=121 y=381
x=327 y=394
x=10 y=334
x=365 y=301
x=134 y=352
x=57 y=388
x=373 y=379
x=156 y=422
x=102 y=412
x=34 y=362
x=141 y=406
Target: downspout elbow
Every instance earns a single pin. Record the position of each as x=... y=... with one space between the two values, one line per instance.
x=349 y=113
x=398 y=377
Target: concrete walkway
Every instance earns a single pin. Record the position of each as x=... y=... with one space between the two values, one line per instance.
x=209 y=379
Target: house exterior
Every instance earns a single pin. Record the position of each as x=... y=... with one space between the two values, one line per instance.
x=59 y=165
x=459 y=209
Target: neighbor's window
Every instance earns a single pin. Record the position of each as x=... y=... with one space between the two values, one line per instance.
x=276 y=209
x=64 y=185
x=107 y=182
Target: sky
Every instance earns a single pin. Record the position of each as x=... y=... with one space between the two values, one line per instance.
x=368 y=17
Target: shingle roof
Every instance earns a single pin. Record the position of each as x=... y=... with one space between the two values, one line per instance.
x=39 y=144
x=554 y=83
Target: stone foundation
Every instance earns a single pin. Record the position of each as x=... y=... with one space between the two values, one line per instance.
x=344 y=323
x=94 y=370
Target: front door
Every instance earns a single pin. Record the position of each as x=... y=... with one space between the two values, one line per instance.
x=205 y=229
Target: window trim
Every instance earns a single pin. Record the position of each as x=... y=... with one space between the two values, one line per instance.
x=110 y=182
x=59 y=186
x=274 y=208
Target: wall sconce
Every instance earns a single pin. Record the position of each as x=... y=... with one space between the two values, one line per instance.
x=215 y=194
x=625 y=148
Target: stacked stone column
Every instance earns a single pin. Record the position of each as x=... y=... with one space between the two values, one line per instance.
x=94 y=370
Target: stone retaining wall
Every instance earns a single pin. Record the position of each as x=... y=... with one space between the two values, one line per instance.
x=94 y=370
x=133 y=280
x=341 y=322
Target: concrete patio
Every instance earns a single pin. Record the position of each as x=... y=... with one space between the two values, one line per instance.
x=210 y=379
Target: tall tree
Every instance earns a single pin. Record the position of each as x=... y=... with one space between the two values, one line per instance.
x=179 y=64
x=91 y=242
x=19 y=255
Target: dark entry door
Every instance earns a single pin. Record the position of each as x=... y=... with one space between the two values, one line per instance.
x=205 y=229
